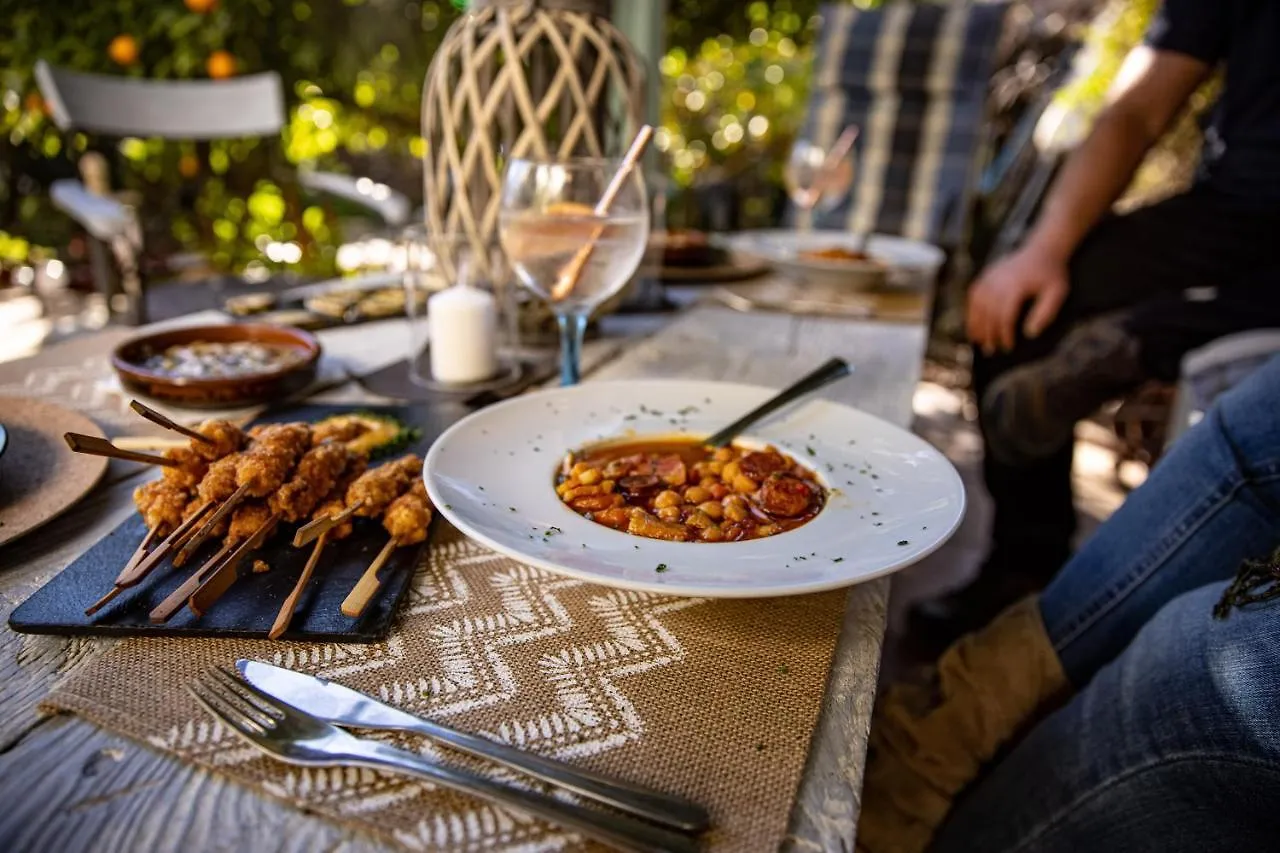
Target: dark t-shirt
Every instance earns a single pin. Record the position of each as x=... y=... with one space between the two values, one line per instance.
x=1242 y=145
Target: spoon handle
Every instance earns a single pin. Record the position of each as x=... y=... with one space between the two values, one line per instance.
x=836 y=368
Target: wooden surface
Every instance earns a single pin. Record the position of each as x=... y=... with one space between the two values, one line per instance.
x=69 y=786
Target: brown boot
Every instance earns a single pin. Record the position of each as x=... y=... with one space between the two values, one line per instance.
x=929 y=741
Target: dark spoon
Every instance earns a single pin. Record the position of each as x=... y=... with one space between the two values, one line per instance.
x=836 y=368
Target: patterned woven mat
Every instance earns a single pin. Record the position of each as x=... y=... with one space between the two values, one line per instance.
x=713 y=700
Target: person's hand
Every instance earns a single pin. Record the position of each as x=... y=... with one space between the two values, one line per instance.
x=997 y=297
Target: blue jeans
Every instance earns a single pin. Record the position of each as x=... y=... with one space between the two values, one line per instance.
x=1172 y=742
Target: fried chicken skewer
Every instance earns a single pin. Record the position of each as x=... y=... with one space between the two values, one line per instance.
x=332 y=517
x=258 y=471
x=316 y=475
x=407 y=519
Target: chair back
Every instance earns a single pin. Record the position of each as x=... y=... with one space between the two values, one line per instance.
x=241 y=107
x=914 y=78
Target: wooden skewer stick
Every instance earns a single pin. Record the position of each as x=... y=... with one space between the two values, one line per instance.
x=572 y=271
x=315 y=529
x=173 y=540
x=149 y=442
x=95 y=446
x=228 y=573
x=357 y=601
x=176 y=600
x=206 y=531
x=169 y=424
x=134 y=572
x=291 y=603
x=143 y=548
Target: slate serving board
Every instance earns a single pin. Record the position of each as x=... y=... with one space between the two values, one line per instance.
x=249 y=607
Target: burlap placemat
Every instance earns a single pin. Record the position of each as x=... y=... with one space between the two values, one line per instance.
x=713 y=700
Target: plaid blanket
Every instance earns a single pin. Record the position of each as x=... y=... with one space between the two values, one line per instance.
x=914 y=78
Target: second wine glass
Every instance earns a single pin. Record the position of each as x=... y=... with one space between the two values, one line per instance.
x=564 y=247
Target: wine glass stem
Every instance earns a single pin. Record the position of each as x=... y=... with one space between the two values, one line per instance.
x=573 y=326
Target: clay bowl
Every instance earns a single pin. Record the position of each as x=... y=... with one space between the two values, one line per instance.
x=221 y=392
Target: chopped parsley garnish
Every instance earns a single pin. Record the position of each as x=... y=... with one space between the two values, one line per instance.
x=902 y=542
x=629 y=418
x=662 y=567
x=838 y=560
x=810 y=450
x=784 y=669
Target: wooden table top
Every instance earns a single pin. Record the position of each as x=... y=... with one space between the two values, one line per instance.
x=69 y=786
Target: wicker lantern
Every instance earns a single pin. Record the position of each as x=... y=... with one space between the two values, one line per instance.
x=521 y=78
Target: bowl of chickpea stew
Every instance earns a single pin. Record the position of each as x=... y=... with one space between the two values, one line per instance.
x=610 y=482
x=680 y=490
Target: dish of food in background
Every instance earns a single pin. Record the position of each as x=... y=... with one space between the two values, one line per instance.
x=248 y=304
x=271 y=362
x=837 y=253
x=840 y=260
x=686 y=256
x=40 y=478
x=682 y=248
x=221 y=360
x=684 y=491
x=890 y=498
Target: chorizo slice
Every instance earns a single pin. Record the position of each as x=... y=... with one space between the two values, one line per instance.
x=639 y=485
x=760 y=464
x=785 y=497
x=672 y=470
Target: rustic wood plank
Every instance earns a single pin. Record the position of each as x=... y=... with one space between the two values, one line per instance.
x=69 y=786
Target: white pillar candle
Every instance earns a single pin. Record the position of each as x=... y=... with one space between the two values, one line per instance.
x=462 y=329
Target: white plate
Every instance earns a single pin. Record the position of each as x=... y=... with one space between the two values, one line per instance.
x=894 y=498
x=901 y=262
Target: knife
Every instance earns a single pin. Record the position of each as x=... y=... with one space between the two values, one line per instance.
x=346 y=707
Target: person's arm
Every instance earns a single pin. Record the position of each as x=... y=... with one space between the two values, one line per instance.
x=1186 y=39
x=1154 y=88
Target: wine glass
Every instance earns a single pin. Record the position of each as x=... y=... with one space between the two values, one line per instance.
x=817 y=177
x=565 y=246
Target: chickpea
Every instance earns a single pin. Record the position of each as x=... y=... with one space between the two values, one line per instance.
x=669 y=513
x=744 y=484
x=590 y=477
x=667 y=498
x=712 y=534
x=708 y=482
x=718 y=491
x=731 y=471
x=722 y=454
x=767 y=529
x=735 y=509
x=581 y=491
x=699 y=520
x=715 y=467
x=697 y=494
x=712 y=509
x=607 y=486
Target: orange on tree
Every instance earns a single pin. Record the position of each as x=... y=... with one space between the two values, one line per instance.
x=34 y=103
x=188 y=165
x=201 y=7
x=220 y=65
x=123 y=50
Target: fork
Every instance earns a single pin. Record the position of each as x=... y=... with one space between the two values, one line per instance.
x=296 y=737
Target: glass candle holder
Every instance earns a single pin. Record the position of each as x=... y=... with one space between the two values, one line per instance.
x=463 y=334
